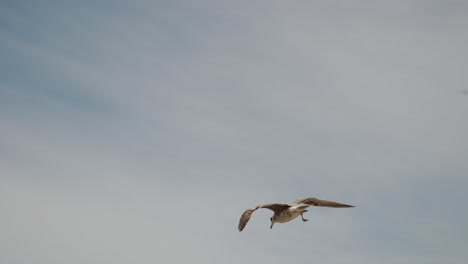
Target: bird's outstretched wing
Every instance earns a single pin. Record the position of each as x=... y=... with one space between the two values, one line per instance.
x=322 y=203
x=245 y=217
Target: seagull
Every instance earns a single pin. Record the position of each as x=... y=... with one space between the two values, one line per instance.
x=284 y=212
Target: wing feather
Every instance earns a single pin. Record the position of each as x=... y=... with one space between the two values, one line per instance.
x=245 y=217
x=322 y=203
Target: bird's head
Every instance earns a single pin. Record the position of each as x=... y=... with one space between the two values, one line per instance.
x=272 y=219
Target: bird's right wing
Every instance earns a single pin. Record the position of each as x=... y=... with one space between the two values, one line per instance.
x=322 y=203
x=245 y=217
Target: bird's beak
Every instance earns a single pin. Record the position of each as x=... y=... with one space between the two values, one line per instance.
x=271 y=226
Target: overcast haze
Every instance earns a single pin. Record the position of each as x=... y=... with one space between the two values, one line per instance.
x=139 y=131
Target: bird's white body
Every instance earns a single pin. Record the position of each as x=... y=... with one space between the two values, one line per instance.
x=290 y=214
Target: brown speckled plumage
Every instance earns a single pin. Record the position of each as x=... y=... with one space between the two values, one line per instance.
x=284 y=212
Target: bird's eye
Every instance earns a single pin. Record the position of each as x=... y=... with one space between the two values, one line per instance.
x=271 y=218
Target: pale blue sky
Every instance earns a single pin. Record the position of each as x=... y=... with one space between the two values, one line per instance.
x=139 y=131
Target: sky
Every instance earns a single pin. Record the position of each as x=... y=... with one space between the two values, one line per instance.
x=139 y=131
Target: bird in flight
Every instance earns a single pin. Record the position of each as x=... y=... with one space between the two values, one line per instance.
x=284 y=212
